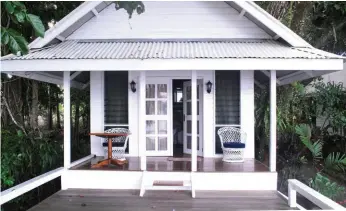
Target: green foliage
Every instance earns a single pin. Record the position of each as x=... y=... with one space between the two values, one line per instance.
x=16 y=12
x=336 y=161
x=24 y=157
x=14 y=40
x=36 y=23
x=326 y=187
x=331 y=101
x=304 y=132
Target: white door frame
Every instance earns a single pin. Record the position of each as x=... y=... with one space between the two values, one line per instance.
x=170 y=79
x=155 y=117
x=199 y=117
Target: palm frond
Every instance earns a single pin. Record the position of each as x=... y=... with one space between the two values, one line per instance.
x=336 y=161
x=316 y=149
x=304 y=132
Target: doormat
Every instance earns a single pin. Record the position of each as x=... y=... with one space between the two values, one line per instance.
x=182 y=159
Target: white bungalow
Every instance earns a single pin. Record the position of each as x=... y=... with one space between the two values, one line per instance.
x=172 y=51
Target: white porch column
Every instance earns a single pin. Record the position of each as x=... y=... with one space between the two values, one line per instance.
x=247 y=110
x=67 y=127
x=67 y=119
x=194 y=120
x=142 y=123
x=272 y=121
x=96 y=111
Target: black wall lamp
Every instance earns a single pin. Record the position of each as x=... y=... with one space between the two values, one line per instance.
x=133 y=86
x=209 y=86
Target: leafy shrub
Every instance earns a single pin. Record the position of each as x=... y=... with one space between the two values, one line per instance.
x=328 y=188
x=23 y=158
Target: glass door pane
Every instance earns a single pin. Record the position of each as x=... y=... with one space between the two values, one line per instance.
x=157 y=115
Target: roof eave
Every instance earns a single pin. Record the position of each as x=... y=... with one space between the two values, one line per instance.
x=64 y=24
x=172 y=64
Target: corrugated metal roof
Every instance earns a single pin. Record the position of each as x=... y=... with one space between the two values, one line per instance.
x=74 y=49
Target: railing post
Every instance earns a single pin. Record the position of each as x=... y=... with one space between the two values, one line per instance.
x=292 y=195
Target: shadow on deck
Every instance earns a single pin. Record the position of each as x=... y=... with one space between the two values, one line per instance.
x=126 y=200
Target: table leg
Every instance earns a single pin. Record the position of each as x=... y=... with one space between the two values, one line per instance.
x=109 y=149
x=109 y=160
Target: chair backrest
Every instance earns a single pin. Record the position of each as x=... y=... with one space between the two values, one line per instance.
x=118 y=130
x=231 y=134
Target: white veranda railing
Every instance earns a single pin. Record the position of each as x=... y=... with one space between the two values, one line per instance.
x=315 y=197
x=27 y=186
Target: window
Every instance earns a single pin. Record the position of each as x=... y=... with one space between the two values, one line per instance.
x=227 y=102
x=116 y=100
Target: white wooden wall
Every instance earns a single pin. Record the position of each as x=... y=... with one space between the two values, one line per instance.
x=247 y=109
x=171 y=20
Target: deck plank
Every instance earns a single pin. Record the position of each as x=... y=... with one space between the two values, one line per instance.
x=126 y=200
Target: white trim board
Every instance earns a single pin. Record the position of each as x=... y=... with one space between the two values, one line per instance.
x=272 y=23
x=172 y=64
x=85 y=179
x=44 y=77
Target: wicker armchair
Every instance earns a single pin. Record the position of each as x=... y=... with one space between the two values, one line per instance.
x=119 y=143
x=232 y=143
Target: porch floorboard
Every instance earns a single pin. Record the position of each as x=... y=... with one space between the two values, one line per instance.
x=163 y=164
x=126 y=200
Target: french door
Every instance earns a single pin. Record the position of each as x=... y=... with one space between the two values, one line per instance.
x=158 y=115
x=188 y=117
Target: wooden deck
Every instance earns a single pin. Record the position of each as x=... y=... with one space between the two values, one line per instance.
x=163 y=164
x=129 y=200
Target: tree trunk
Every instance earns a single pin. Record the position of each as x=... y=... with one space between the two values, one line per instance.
x=58 y=125
x=76 y=122
x=50 y=108
x=300 y=18
x=4 y=114
x=34 y=106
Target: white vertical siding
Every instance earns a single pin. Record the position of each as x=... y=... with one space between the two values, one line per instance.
x=171 y=20
x=336 y=77
x=133 y=115
x=96 y=110
x=247 y=110
x=208 y=114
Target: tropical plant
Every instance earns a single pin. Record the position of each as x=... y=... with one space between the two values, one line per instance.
x=331 y=101
x=334 y=161
x=16 y=12
x=328 y=188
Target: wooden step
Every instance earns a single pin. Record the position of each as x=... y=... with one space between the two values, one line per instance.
x=168 y=183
